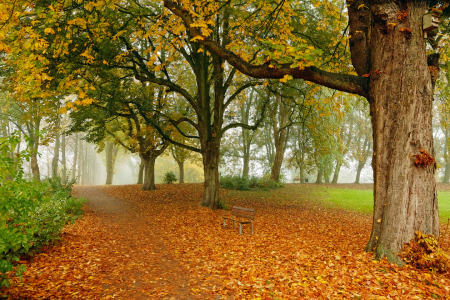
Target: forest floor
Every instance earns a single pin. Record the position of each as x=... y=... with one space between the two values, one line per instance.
x=132 y=244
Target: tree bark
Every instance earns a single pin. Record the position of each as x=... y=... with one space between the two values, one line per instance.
x=34 y=144
x=211 y=173
x=149 y=180
x=362 y=160
x=446 y=173
x=110 y=161
x=358 y=171
x=326 y=175
x=319 y=176
x=141 y=172
x=400 y=106
x=337 y=169
x=181 y=171
x=279 y=132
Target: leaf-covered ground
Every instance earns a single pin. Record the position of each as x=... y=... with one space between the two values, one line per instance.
x=162 y=245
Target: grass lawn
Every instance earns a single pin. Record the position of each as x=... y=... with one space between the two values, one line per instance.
x=362 y=200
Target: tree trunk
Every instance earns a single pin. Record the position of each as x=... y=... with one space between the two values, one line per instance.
x=400 y=106
x=149 y=180
x=277 y=163
x=110 y=160
x=319 y=176
x=34 y=135
x=447 y=164
x=63 y=159
x=181 y=170
x=326 y=174
x=279 y=132
x=246 y=167
x=56 y=154
x=75 y=157
x=358 y=171
x=337 y=169
x=211 y=173
x=446 y=173
x=141 y=172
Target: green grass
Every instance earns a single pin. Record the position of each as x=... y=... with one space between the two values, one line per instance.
x=362 y=200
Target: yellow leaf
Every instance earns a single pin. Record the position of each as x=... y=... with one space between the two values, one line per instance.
x=49 y=30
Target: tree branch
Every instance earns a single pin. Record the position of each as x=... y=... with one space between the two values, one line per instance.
x=342 y=82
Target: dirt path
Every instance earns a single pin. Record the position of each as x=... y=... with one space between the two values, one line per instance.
x=146 y=252
x=113 y=252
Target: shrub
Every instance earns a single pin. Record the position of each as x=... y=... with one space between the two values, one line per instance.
x=234 y=182
x=169 y=177
x=423 y=252
x=244 y=184
x=223 y=205
x=32 y=214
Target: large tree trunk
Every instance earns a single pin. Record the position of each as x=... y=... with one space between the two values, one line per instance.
x=149 y=180
x=277 y=163
x=141 y=172
x=211 y=173
x=401 y=95
x=181 y=171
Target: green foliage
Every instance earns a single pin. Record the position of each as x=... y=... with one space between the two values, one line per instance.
x=223 y=205
x=169 y=177
x=31 y=215
x=236 y=182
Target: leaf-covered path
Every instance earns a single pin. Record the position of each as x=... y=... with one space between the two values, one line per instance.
x=113 y=252
x=161 y=244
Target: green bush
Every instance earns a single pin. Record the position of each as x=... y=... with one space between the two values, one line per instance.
x=169 y=177
x=234 y=182
x=223 y=205
x=32 y=214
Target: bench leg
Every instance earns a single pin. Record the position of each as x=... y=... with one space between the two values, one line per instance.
x=251 y=223
x=223 y=223
x=240 y=229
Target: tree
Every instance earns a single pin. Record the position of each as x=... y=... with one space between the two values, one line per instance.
x=388 y=52
x=111 y=155
x=396 y=77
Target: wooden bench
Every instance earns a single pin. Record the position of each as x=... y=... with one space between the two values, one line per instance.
x=241 y=212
